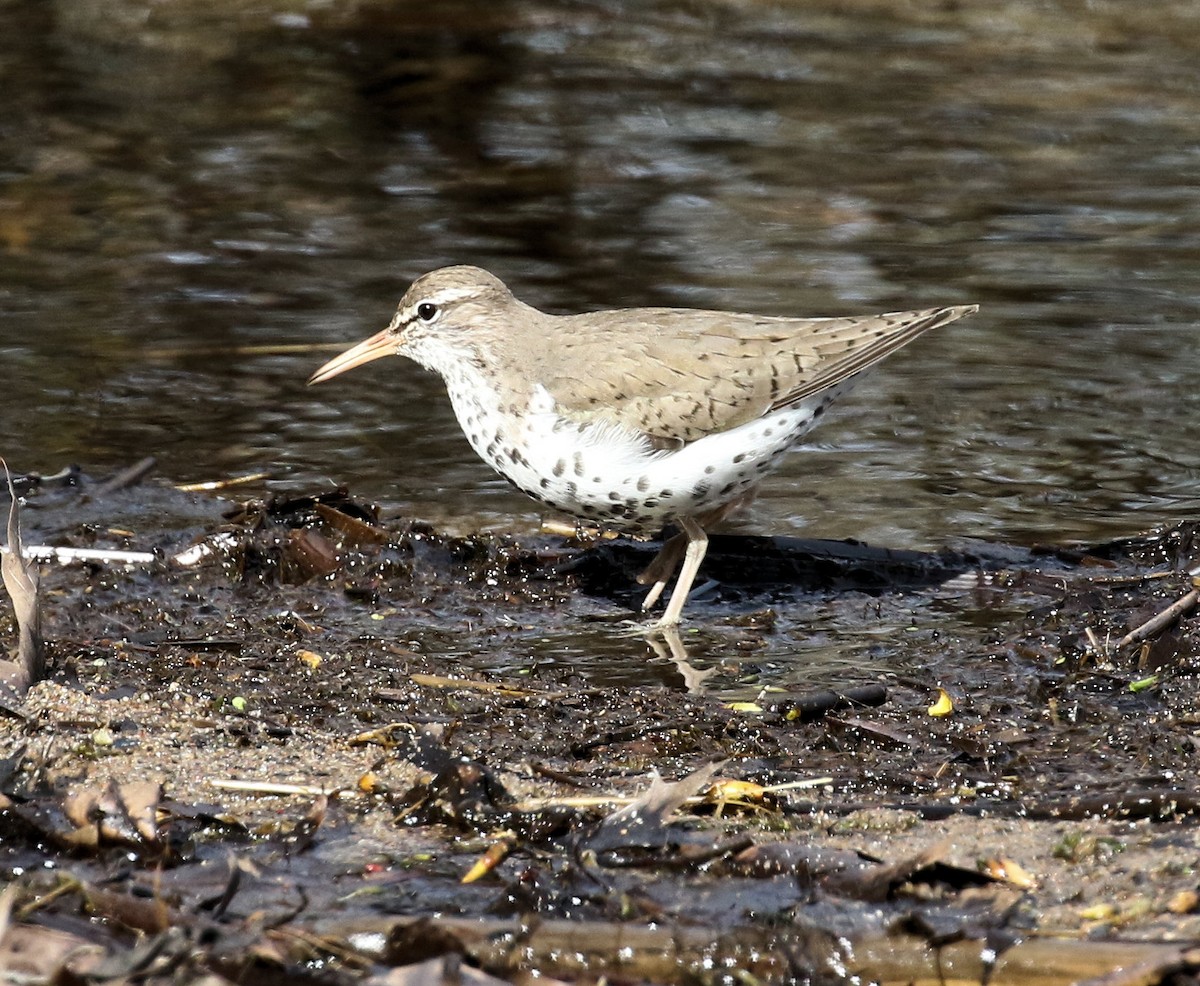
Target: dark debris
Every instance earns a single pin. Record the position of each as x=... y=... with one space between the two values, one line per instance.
x=400 y=682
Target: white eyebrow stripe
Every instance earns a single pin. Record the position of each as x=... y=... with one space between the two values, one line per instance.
x=439 y=298
x=446 y=295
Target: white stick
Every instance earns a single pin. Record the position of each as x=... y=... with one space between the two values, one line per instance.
x=46 y=552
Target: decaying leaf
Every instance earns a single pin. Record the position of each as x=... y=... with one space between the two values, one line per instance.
x=885 y=881
x=642 y=831
x=307 y=553
x=117 y=814
x=357 y=532
x=21 y=581
x=436 y=972
x=30 y=954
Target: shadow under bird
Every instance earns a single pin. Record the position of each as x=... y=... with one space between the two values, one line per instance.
x=635 y=418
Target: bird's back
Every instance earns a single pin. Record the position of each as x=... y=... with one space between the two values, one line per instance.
x=678 y=375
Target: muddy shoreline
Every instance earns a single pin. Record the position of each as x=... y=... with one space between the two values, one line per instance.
x=278 y=764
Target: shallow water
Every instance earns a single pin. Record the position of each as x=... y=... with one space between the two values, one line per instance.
x=179 y=180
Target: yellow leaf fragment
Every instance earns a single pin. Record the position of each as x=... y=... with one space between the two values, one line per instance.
x=746 y=795
x=1184 y=902
x=310 y=658
x=943 y=706
x=496 y=853
x=730 y=790
x=1010 y=871
x=385 y=735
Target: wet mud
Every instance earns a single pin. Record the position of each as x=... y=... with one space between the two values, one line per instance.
x=305 y=743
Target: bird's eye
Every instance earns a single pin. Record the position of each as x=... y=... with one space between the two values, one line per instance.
x=427 y=311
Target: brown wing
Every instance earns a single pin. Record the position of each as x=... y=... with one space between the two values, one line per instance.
x=678 y=376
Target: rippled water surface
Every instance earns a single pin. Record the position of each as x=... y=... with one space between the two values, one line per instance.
x=181 y=182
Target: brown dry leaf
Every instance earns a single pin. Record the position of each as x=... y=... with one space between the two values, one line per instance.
x=441 y=971
x=809 y=863
x=140 y=800
x=357 y=532
x=82 y=807
x=873 y=731
x=119 y=814
x=21 y=580
x=643 y=828
x=305 y=832
x=307 y=553
x=884 y=881
x=33 y=954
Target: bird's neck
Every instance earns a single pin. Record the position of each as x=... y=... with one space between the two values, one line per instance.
x=481 y=395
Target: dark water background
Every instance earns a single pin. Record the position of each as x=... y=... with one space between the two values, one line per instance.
x=179 y=179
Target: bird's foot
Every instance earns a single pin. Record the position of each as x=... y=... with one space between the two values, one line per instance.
x=662 y=626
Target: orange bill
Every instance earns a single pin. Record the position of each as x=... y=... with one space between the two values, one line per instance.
x=381 y=344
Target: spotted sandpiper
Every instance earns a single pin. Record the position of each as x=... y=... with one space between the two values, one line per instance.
x=634 y=418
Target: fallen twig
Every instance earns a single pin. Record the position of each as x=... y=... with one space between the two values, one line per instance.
x=274 y=788
x=214 y=485
x=1161 y=620
x=65 y=556
x=126 y=477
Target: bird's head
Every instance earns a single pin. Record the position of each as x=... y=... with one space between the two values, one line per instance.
x=437 y=322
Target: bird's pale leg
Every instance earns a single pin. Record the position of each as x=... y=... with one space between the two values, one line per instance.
x=693 y=679
x=660 y=570
x=697 y=546
x=662 y=566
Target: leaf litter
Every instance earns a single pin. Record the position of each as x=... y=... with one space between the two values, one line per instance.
x=239 y=774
